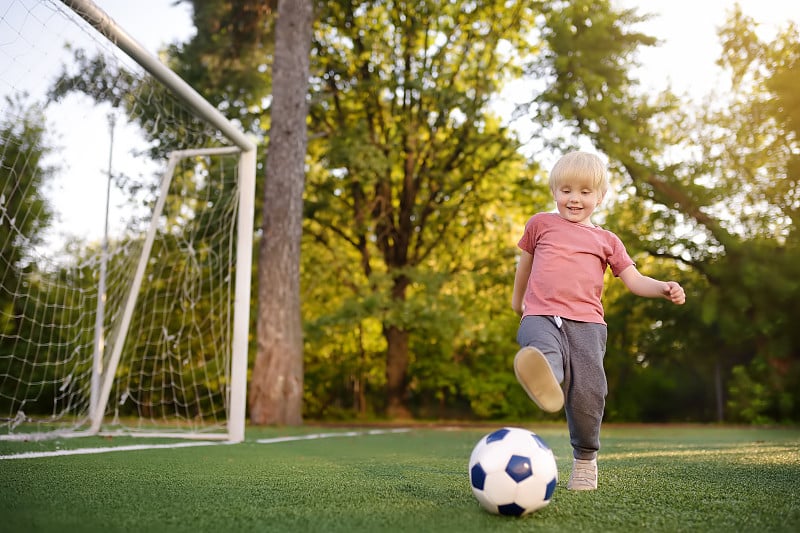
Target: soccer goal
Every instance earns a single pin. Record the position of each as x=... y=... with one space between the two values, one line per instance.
x=126 y=228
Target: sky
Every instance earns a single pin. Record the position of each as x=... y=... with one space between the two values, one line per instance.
x=684 y=61
x=690 y=46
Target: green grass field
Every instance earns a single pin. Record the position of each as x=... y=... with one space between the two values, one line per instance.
x=652 y=478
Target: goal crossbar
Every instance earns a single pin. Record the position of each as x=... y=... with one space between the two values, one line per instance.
x=106 y=26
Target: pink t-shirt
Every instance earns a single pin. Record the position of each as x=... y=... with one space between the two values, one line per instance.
x=569 y=261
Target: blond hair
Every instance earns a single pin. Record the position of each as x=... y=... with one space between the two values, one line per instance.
x=586 y=169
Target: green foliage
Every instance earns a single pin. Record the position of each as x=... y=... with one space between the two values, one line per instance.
x=410 y=166
x=586 y=59
x=24 y=215
x=749 y=399
x=24 y=211
x=46 y=313
x=713 y=188
x=754 y=181
x=661 y=209
x=757 y=395
x=229 y=57
x=141 y=98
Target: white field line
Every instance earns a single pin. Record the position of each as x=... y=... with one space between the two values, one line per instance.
x=88 y=451
x=315 y=436
x=137 y=447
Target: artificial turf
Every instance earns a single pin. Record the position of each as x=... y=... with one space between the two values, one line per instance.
x=652 y=478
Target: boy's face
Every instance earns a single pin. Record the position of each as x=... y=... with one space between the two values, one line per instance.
x=577 y=201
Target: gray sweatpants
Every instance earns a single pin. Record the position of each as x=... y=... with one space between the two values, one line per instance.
x=575 y=351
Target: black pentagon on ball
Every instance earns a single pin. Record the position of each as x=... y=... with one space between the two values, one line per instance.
x=510 y=509
x=477 y=476
x=496 y=435
x=519 y=468
x=551 y=487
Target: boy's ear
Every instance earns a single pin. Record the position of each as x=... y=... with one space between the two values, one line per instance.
x=601 y=198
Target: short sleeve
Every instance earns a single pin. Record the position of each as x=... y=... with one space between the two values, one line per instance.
x=619 y=259
x=528 y=241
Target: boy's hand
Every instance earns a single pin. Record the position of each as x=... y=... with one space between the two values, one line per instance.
x=674 y=293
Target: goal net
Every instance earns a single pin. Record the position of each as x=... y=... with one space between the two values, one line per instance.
x=126 y=225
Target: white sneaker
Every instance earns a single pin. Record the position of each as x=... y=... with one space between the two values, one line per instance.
x=536 y=377
x=584 y=475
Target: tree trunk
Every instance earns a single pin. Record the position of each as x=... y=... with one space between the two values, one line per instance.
x=719 y=390
x=397 y=358
x=276 y=387
x=396 y=372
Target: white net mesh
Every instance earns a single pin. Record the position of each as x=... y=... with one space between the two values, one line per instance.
x=83 y=127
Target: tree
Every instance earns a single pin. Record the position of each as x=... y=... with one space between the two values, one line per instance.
x=276 y=387
x=417 y=159
x=412 y=178
x=725 y=209
x=753 y=169
x=416 y=191
x=413 y=158
x=24 y=215
x=24 y=211
x=227 y=60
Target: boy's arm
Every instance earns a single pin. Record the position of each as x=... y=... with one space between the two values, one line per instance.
x=521 y=281
x=652 y=288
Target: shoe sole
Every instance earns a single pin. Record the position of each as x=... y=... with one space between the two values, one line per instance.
x=581 y=487
x=536 y=377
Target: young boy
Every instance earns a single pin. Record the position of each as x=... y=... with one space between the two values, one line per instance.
x=557 y=291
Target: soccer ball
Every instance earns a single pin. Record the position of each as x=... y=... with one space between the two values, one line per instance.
x=512 y=472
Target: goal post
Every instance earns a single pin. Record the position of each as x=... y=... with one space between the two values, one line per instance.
x=241 y=306
x=160 y=348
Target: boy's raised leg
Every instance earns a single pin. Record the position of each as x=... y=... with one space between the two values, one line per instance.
x=536 y=377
